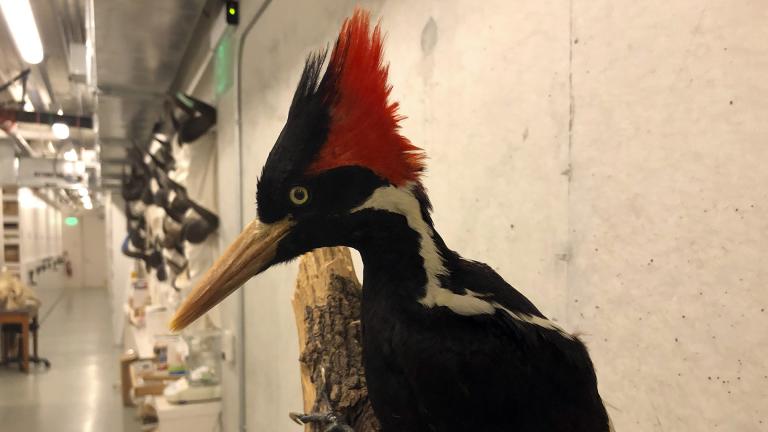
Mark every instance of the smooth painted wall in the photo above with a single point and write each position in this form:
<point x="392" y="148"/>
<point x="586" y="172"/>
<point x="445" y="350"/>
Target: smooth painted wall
<point x="86" y="246"/>
<point x="606" y="158"/>
<point x="119" y="266"/>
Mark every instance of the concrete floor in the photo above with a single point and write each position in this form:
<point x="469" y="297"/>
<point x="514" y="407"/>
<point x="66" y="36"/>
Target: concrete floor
<point x="81" y="390"/>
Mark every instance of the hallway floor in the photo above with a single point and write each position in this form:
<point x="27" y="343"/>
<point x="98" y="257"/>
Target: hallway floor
<point x="80" y="392"/>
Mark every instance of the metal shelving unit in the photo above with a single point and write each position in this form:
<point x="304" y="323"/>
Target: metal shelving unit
<point x="10" y="240"/>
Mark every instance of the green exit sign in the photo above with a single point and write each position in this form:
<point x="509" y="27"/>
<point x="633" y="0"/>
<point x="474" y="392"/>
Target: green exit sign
<point x="71" y="221"/>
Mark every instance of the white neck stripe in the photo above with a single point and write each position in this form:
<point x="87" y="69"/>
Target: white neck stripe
<point x="402" y="201"/>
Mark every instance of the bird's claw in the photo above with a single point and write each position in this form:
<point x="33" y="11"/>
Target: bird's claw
<point x="330" y="420"/>
<point x="301" y="418"/>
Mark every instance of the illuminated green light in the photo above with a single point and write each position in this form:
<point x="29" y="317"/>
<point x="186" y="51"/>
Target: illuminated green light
<point x="223" y="66"/>
<point x="71" y="221"/>
<point x="231" y="11"/>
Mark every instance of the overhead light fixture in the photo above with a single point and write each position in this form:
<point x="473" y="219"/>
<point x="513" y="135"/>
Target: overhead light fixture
<point x="89" y="156"/>
<point x="21" y="23"/>
<point x="88" y="205"/>
<point x="79" y="167"/>
<point x="70" y="155"/>
<point x="27" y="199"/>
<point x="60" y="130"/>
<point x="28" y="107"/>
<point x="83" y="192"/>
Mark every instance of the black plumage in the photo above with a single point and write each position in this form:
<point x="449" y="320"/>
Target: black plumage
<point x="435" y="370"/>
<point x="432" y="369"/>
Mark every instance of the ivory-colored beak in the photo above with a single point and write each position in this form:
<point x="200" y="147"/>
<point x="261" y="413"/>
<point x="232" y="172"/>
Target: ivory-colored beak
<point x="250" y="254"/>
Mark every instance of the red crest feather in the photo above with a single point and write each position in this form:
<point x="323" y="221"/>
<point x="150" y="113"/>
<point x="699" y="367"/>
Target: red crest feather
<point x="364" y="125"/>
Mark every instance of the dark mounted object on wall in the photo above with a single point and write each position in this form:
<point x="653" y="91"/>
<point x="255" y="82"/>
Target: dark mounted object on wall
<point x="232" y="12"/>
<point x="132" y="253"/>
<point x="137" y="232"/>
<point x="161" y="273"/>
<point x="176" y="261"/>
<point x="161" y="197"/>
<point x="179" y="203"/>
<point x="162" y="155"/>
<point x="146" y="197"/>
<point x="196" y="229"/>
<point x="200" y="118"/>
<point x="187" y="220"/>
<point x="133" y="186"/>
<point x="152" y="260"/>
<point x="136" y="179"/>
<point x="197" y="224"/>
<point x="138" y="238"/>
<point x="172" y="231"/>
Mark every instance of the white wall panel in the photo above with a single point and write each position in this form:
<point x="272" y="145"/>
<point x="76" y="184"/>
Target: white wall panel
<point x="119" y="266"/>
<point x="72" y="238"/>
<point x="669" y="210"/>
<point x="274" y="56"/>
<point x="94" y="250"/>
<point x="229" y="216"/>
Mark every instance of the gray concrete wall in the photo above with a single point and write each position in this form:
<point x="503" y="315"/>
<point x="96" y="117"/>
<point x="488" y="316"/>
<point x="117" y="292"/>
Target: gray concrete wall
<point x="604" y="157"/>
<point x="669" y="210"/>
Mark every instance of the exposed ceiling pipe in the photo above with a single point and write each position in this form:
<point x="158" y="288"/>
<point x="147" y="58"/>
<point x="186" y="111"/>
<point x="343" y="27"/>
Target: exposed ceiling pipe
<point x="43" y="132"/>
<point x="23" y="76"/>
<point x="46" y="118"/>
<point x="48" y="200"/>
<point x="42" y="71"/>
<point x="9" y="120"/>
<point x="22" y="146"/>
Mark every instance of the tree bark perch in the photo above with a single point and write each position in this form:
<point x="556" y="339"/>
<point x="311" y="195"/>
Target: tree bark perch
<point x="326" y="303"/>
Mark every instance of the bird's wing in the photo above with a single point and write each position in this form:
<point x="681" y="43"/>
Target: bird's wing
<point x="510" y="370"/>
<point x="482" y="281"/>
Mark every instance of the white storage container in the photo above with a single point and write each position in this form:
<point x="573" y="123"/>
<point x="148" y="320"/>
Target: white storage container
<point x="193" y="417"/>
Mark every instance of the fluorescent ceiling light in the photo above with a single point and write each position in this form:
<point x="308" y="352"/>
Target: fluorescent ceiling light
<point x="28" y="200"/>
<point x="70" y="155"/>
<point x="21" y="23"/>
<point x="79" y="167"/>
<point x="88" y="205"/>
<point x="60" y="130"/>
<point x="89" y="156"/>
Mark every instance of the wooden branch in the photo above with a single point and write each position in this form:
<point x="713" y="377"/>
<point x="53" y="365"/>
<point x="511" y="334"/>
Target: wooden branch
<point x="327" y="307"/>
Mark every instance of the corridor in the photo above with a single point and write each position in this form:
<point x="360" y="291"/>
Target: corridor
<point x="80" y="392"/>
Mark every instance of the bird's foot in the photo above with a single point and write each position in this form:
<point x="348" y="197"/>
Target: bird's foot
<point x="330" y="421"/>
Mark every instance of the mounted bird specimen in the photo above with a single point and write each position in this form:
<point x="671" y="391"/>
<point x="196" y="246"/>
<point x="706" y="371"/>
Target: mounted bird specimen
<point x="448" y="345"/>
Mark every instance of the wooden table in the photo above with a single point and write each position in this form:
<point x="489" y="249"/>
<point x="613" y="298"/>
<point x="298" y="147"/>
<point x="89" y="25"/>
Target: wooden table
<point x="21" y="317"/>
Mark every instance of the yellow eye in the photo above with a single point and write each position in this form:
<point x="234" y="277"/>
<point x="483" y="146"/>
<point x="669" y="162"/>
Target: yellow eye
<point x="299" y="195"/>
